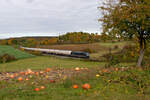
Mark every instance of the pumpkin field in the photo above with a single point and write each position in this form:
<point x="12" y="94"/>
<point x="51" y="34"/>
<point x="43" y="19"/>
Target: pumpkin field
<point x="76" y="83"/>
<point x="75" y="50"/>
<point x="57" y="78"/>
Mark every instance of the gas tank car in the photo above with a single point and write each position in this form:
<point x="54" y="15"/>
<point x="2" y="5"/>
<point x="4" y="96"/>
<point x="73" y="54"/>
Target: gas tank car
<point x="77" y="54"/>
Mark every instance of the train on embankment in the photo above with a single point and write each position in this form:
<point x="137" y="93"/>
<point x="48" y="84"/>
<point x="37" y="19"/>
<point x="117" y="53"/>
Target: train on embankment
<point x="69" y="53"/>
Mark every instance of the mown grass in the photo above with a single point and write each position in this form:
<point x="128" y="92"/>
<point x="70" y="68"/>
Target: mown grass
<point x="41" y="62"/>
<point x="15" y="52"/>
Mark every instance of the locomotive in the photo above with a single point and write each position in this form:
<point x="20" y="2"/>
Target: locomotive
<point x="59" y="52"/>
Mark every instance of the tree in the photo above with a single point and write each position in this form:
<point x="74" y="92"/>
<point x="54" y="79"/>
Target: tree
<point x="9" y="41"/>
<point x="128" y="18"/>
<point x="52" y="41"/>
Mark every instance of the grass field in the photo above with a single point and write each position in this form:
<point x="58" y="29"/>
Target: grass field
<point x="41" y="62"/>
<point x="120" y="82"/>
<point x="116" y="85"/>
<point x="12" y="51"/>
<point x="44" y="62"/>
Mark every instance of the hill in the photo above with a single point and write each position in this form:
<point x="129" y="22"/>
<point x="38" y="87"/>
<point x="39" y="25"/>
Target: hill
<point x="15" y="52"/>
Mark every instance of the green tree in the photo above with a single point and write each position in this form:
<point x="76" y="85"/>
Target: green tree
<point x="128" y="18"/>
<point x="104" y="37"/>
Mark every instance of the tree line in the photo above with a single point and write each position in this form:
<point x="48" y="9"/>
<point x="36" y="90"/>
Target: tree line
<point x="68" y="38"/>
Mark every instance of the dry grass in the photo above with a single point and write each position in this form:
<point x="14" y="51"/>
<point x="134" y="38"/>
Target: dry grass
<point x="76" y="47"/>
<point x="99" y="49"/>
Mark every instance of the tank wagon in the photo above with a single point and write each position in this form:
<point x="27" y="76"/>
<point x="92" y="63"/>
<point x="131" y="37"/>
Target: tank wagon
<point x="59" y="52"/>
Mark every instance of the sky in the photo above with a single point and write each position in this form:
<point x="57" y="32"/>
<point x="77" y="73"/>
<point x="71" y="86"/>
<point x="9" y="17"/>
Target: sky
<point x="47" y="17"/>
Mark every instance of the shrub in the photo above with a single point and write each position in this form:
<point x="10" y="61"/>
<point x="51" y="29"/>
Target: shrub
<point x="127" y="54"/>
<point x="112" y="62"/>
<point x="116" y="47"/>
<point x="89" y="50"/>
<point x="7" y="58"/>
<point x="38" y="53"/>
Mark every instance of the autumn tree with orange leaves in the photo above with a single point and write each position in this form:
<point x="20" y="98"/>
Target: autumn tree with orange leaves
<point x="128" y="18"/>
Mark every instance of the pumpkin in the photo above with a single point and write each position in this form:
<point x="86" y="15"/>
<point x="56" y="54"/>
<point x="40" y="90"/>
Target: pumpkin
<point x="52" y="81"/>
<point x="86" y="86"/>
<point x="116" y="69"/>
<point x="37" y="73"/>
<point x="20" y="79"/>
<point x="29" y="71"/>
<point x="77" y="69"/>
<point x="22" y="73"/>
<point x="97" y="75"/>
<point x="27" y="79"/>
<point x="12" y="76"/>
<point x="48" y="69"/>
<point x="105" y="70"/>
<point x="75" y="86"/>
<point x="42" y="87"/>
<point x="15" y="74"/>
<point x="41" y="72"/>
<point x="26" y="73"/>
<point x="37" y="89"/>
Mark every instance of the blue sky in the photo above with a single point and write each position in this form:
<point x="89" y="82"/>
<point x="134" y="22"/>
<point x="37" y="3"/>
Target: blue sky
<point x="47" y="17"/>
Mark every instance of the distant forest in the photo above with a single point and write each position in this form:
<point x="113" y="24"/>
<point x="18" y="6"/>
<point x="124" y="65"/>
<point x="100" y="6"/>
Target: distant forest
<point x="68" y="38"/>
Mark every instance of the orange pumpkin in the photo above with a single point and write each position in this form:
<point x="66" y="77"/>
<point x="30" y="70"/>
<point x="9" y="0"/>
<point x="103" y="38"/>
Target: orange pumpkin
<point x="77" y="69"/>
<point x="105" y="70"/>
<point x="42" y="87"/>
<point x="116" y="69"/>
<point x="26" y="73"/>
<point x="12" y="76"/>
<point x="37" y="89"/>
<point x="20" y="79"/>
<point x="22" y="73"/>
<point x="75" y="86"/>
<point x="29" y="71"/>
<point x="86" y="86"/>
<point x="15" y="74"/>
<point x="27" y="79"/>
<point x="41" y="72"/>
<point x="52" y="81"/>
<point x="37" y="73"/>
<point x="48" y="69"/>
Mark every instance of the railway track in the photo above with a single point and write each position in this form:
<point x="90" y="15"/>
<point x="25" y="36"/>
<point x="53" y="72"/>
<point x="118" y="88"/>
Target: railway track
<point x="62" y="56"/>
<point x="66" y="57"/>
<point x="66" y="53"/>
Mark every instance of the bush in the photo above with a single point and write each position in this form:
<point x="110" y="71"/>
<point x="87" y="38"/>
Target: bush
<point x="7" y="58"/>
<point x="38" y="53"/>
<point x="116" y="47"/>
<point x="89" y="50"/>
<point x="127" y="54"/>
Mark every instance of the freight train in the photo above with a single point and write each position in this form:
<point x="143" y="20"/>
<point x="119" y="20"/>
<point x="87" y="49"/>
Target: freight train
<point x="59" y="52"/>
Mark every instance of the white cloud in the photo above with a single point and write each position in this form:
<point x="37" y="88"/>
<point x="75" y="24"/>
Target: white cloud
<point x="47" y="16"/>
